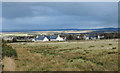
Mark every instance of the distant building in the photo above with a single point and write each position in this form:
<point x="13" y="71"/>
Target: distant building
<point x="56" y="38"/>
<point x="100" y="37"/>
<point x="90" y="37"/>
<point x="33" y="40"/>
<point x="41" y="38"/>
<point x="49" y="38"/>
<point x="78" y="37"/>
<point x="8" y="38"/>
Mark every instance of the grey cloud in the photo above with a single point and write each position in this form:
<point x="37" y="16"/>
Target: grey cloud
<point x="49" y="15"/>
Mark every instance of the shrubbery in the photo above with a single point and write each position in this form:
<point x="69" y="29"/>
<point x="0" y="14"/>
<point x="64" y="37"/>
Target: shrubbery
<point x="8" y="51"/>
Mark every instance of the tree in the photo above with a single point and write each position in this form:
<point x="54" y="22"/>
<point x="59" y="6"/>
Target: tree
<point x="14" y="39"/>
<point x="70" y="37"/>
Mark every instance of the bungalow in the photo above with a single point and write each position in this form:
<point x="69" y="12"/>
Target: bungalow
<point x="49" y="38"/>
<point x="56" y="38"/>
<point x="100" y="37"/>
<point x="41" y="38"/>
<point x="90" y="37"/>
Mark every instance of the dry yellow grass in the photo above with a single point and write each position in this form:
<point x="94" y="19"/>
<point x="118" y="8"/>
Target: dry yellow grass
<point x="9" y="64"/>
<point x="99" y="55"/>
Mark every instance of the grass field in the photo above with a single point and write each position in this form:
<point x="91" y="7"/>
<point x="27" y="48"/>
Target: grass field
<point x="100" y="55"/>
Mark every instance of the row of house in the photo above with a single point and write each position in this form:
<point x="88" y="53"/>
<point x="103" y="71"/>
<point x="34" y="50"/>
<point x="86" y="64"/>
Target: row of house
<point x="93" y="37"/>
<point x="59" y="38"/>
<point x="49" y="38"/>
<point x="35" y="38"/>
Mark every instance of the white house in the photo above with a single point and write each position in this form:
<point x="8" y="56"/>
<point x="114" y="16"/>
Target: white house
<point x="33" y="39"/>
<point x="100" y="37"/>
<point x="49" y="38"/>
<point x="41" y="38"/>
<point x="56" y="38"/>
<point x="90" y="37"/>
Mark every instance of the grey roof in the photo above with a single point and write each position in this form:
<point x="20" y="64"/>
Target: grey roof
<point x="40" y="38"/>
<point x="53" y="36"/>
<point x="47" y="36"/>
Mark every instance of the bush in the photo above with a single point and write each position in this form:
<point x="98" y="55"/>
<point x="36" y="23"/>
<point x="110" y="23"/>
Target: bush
<point x="102" y="46"/>
<point x="91" y="46"/>
<point x="8" y="51"/>
<point x="110" y="44"/>
<point x="114" y="48"/>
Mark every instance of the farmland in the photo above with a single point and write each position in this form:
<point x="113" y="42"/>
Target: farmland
<point x="91" y="55"/>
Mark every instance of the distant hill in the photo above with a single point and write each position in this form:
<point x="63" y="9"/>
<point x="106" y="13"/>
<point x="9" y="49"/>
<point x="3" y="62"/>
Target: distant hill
<point x="95" y="30"/>
<point x="107" y="30"/>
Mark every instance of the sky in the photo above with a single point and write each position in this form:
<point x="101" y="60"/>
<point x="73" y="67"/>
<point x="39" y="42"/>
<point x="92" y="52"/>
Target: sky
<point x="58" y="15"/>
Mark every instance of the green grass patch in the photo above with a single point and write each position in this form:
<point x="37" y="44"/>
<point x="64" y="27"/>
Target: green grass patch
<point x="8" y="51"/>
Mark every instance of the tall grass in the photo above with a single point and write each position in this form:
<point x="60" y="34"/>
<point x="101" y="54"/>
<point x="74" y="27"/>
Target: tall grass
<point x="65" y="56"/>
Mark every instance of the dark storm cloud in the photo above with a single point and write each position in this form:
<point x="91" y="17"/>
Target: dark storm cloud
<point x="57" y="15"/>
